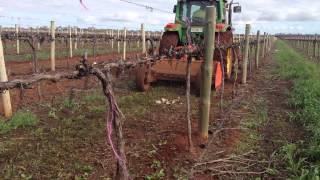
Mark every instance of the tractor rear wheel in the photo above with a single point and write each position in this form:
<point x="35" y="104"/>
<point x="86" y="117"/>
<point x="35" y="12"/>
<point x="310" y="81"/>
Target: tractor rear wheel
<point x="143" y="76"/>
<point x="169" y="40"/>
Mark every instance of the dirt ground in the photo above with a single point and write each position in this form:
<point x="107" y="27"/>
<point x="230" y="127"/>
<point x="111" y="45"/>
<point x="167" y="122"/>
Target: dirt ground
<point x="48" y="90"/>
<point x="251" y="130"/>
<point x="70" y="140"/>
<point x="15" y="68"/>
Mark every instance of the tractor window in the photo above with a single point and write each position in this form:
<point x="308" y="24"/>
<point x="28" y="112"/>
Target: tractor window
<point x="184" y="12"/>
<point x="195" y="11"/>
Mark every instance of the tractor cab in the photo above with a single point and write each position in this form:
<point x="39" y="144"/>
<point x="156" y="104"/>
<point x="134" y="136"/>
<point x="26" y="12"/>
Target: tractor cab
<point x="193" y="13"/>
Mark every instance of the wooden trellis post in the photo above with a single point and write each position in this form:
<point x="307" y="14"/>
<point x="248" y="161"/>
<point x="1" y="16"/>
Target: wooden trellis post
<point x="124" y="43"/>
<point x="269" y="43"/>
<point x="38" y="43"/>
<point x="107" y="34"/>
<point x="17" y="41"/>
<point x="246" y="55"/>
<point x="257" y="50"/>
<point x="81" y="40"/>
<point x="263" y="45"/>
<point x="112" y="40"/>
<point x="148" y="42"/>
<point x="138" y="40"/>
<point x="76" y="38"/>
<point x="250" y="60"/>
<point x="118" y="41"/>
<point x="6" y="100"/>
<point x="70" y="42"/>
<point x="143" y="34"/>
<point x="315" y="46"/>
<point x="308" y="45"/>
<point x="205" y="89"/>
<point x="318" y="48"/>
<point x="53" y="46"/>
<point x="266" y="44"/>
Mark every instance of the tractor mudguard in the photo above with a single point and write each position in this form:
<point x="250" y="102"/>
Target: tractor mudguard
<point x="177" y="28"/>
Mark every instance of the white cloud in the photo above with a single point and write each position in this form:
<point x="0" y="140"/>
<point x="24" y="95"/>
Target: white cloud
<point x="272" y="15"/>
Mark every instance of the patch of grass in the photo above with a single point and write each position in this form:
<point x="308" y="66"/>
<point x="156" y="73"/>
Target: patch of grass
<point x="95" y="96"/>
<point x="258" y="117"/>
<point x="138" y="104"/>
<point x="21" y="119"/>
<point x="70" y="104"/>
<point x="85" y="169"/>
<point x="97" y="109"/>
<point x="159" y="171"/>
<point x="303" y="159"/>
<point x="134" y="104"/>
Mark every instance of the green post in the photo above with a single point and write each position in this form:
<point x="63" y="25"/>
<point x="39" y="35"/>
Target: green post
<point x="258" y="50"/>
<point x="205" y="91"/>
<point x="246" y="55"/>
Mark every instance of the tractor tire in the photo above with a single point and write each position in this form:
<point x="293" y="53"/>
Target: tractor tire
<point x="142" y="79"/>
<point x="169" y="40"/>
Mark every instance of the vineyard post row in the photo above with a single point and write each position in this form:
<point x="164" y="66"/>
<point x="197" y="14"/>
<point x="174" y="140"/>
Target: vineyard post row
<point x="253" y="47"/>
<point x="309" y="44"/>
<point x="52" y="33"/>
<point x="251" y="42"/>
<point x="74" y="38"/>
<point x="75" y="34"/>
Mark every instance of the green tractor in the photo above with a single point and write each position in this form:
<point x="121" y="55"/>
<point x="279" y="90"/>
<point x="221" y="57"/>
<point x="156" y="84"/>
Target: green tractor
<point x="190" y="19"/>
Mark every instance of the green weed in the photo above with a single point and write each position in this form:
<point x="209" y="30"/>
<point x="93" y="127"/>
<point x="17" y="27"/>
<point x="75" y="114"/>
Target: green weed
<point x="97" y="109"/>
<point x="303" y="161"/>
<point x="159" y="171"/>
<point x="70" y="104"/>
<point x="94" y="97"/>
<point x="21" y="119"/>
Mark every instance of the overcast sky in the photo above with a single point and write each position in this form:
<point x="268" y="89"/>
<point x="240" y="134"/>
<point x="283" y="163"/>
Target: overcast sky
<point x="291" y="16"/>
